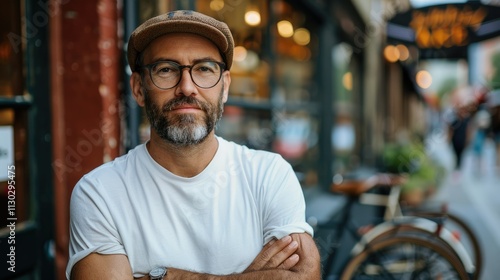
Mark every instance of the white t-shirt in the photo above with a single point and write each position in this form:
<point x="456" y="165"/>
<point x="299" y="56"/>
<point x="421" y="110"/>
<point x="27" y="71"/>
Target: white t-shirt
<point x="215" y="222"/>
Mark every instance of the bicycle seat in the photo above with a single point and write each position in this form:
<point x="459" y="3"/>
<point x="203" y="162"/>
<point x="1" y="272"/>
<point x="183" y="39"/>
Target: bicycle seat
<point x="356" y="187"/>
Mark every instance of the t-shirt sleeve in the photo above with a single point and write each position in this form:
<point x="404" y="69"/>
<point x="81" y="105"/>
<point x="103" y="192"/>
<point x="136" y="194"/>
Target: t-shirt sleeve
<point x="284" y="209"/>
<point x="92" y="228"/>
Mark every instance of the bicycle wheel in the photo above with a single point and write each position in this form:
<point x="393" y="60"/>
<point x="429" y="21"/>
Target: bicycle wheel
<point x="429" y="230"/>
<point x="405" y="257"/>
<point x="465" y="235"/>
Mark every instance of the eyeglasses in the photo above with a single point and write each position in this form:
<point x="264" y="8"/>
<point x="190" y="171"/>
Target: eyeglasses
<point x="167" y="74"/>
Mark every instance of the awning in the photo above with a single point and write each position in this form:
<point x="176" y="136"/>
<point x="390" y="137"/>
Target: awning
<point x="445" y="31"/>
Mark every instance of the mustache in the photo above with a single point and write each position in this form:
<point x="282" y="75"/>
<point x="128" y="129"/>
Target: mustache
<point x="184" y="100"/>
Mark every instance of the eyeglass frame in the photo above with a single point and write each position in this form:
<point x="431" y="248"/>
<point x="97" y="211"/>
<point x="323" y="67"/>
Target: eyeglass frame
<point x="149" y="66"/>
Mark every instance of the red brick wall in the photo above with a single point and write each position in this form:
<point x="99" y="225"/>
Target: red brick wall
<point x="85" y="77"/>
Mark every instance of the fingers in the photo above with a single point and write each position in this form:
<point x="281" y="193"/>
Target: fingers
<point x="276" y="254"/>
<point x="290" y="262"/>
<point x="272" y="249"/>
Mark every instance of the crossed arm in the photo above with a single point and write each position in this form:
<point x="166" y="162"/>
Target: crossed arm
<point x="291" y="258"/>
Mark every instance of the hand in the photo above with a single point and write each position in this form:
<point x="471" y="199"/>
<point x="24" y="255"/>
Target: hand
<point x="276" y="254"/>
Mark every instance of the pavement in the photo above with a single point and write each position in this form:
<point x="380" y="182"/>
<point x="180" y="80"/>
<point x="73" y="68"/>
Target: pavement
<point x="473" y="193"/>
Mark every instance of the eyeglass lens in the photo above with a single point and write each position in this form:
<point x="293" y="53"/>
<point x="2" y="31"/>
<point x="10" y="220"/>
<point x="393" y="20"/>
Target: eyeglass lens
<point x="167" y="74"/>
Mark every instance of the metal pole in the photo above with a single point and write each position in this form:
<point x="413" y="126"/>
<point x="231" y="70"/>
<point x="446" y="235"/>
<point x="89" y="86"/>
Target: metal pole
<point x="133" y="114"/>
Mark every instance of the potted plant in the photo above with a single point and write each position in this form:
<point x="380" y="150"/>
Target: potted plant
<point x="423" y="173"/>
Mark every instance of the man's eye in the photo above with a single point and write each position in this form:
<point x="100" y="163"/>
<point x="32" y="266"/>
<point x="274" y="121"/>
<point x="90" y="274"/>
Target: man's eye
<point x="164" y="70"/>
<point x="205" y="68"/>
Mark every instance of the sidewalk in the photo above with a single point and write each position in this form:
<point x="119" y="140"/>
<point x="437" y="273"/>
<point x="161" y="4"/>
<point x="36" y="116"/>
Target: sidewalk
<point x="473" y="194"/>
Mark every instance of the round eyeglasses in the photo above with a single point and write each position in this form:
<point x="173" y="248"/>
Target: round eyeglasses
<point x="167" y="74"/>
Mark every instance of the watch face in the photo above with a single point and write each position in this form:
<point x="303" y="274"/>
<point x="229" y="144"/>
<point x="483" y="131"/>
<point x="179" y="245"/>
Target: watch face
<point x="157" y="272"/>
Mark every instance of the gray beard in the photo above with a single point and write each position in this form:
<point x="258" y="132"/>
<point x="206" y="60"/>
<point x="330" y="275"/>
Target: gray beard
<point x="186" y="132"/>
<point x="185" y="129"/>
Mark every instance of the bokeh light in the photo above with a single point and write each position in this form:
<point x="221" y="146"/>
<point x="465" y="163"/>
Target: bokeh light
<point x="302" y="36"/>
<point x="423" y="79"/>
<point x="347" y="81"/>
<point x="216" y="5"/>
<point x="252" y="18"/>
<point x="240" y="53"/>
<point x="285" y="28"/>
<point x="404" y="53"/>
<point x="391" y="53"/>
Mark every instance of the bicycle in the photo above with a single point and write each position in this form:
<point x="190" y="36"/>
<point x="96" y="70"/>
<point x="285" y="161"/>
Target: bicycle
<point x="459" y="228"/>
<point x="404" y="246"/>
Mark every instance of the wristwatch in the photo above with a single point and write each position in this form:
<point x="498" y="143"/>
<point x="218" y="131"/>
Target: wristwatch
<point x="157" y="273"/>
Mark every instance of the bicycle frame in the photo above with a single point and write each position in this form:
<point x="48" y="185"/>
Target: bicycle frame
<point x="394" y="223"/>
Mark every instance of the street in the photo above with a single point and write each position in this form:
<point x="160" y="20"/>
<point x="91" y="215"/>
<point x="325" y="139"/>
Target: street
<point x="473" y="194"/>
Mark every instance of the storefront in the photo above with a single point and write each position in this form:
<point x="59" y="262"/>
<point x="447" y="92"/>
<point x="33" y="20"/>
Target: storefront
<point x="65" y="107"/>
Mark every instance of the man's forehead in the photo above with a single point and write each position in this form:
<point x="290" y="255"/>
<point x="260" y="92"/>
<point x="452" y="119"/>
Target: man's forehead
<point x="182" y="43"/>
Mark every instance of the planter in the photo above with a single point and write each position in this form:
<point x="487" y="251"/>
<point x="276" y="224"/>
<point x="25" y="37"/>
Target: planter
<point x="413" y="198"/>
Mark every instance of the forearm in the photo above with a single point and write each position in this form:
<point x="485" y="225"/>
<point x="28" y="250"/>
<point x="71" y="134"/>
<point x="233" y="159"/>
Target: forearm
<point x="275" y="274"/>
<point x="306" y="267"/>
<point x="282" y="259"/>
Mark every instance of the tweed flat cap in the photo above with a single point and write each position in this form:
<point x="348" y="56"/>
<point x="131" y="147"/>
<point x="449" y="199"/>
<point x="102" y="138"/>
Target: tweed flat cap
<point x="182" y="21"/>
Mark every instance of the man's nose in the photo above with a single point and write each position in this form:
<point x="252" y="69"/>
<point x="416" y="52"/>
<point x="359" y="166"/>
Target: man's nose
<point x="186" y="85"/>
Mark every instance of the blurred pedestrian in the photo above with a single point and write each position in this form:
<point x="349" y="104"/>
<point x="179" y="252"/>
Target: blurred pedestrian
<point x="494" y="105"/>
<point x="482" y="123"/>
<point x="458" y="121"/>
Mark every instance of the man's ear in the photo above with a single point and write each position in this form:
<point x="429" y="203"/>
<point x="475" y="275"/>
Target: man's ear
<point x="137" y="89"/>
<point x="226" y="77"/>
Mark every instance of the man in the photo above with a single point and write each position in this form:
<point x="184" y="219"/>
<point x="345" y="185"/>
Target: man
<point x="188" y="204"/>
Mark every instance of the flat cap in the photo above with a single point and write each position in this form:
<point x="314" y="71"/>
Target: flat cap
<point x="182" y="21"/>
